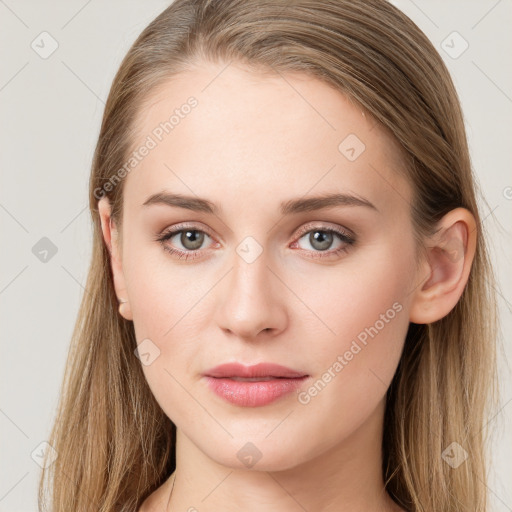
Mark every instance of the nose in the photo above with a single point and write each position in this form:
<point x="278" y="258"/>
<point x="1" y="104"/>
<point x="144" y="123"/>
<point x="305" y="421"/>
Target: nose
<point x="252" y="301"/>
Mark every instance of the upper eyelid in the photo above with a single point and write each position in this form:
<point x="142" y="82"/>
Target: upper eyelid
<point x="182" y="227"/>
<point x="324" y="226"/>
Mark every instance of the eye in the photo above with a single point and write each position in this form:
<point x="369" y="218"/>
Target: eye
<point x="190" y="239"/>
<point x="322" y="238"/>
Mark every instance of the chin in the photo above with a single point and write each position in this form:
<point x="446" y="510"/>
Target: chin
<point x="257" y="454"/>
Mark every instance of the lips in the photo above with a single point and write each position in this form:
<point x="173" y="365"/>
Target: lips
<point x="253" y="386"/>
<point x="258" y="372"/>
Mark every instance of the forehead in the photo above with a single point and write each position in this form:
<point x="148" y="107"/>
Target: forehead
<point x="222" y="131"/>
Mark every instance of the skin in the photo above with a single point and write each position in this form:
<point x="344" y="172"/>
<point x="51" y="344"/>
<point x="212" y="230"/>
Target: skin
<point x="252" y="142"/>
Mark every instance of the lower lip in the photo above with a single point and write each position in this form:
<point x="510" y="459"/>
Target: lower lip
<point x="253" y="393"/>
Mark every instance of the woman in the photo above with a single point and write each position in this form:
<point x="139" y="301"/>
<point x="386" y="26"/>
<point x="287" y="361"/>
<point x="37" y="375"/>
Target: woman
<point x="290" y="304"/>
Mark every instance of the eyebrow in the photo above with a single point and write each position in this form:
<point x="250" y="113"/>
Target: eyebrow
<point x="292" y="206"/>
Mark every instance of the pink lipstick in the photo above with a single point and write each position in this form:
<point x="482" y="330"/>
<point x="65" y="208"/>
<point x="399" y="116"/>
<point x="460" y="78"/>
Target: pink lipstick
<point x="253" y="386"/>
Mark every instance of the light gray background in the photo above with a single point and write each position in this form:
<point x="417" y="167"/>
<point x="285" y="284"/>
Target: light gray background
<point x="51" y="111"/>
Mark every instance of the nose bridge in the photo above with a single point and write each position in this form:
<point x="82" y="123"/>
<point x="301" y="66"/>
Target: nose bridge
<point x="250" y="275"/>
<point x="250" y="301"/>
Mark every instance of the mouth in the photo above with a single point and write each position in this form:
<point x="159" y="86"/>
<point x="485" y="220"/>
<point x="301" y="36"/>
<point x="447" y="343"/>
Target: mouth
<point x="253" y="386"/>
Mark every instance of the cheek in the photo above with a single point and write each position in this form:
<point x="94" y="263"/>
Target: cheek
<point x="356" y="299"/>
<point x="166" y="301"/>
<point x="162" y="293"/>
<point x="352" y="380"/>
<point x="367" y="311"/>
<point x="163" y="312"/>
<point x="352" y="369"/>
<point x="357" y="356"/>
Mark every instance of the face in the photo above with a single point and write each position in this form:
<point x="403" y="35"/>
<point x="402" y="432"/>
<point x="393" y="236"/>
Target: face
<point x="262" y="273"/>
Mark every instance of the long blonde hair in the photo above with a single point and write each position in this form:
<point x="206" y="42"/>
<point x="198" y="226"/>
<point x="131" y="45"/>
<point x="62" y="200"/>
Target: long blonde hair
<point x="114" y="443"/>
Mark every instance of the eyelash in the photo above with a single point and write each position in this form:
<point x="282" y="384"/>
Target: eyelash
<point x="344" y="236"/>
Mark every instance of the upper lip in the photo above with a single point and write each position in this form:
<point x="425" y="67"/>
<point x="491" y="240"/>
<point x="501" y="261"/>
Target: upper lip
<point x="258" y="370"/>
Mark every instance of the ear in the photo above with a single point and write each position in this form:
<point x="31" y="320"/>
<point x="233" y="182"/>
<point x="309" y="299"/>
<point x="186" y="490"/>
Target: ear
<point x="445" y="272"/>
<point x="111" y="237"/>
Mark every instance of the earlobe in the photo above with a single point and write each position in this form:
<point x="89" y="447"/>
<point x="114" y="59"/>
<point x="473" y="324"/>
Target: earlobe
<point x="110" y="236"/>
<point x="450" y="252"/>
